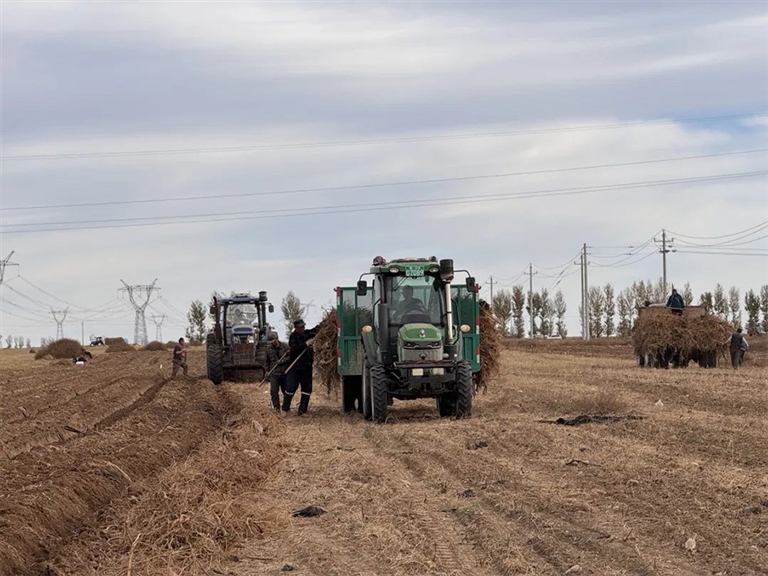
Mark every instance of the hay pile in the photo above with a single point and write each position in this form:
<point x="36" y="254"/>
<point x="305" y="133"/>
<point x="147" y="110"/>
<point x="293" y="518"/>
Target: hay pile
<point x="59" y="349"/>
<point x="490" y="348"/>
<point x="111" y="341"/>
<point x="686" y="334"/>
<point x="154" y="346"/>
<point x="326" y="351"/>
<point x="122" y="346"/>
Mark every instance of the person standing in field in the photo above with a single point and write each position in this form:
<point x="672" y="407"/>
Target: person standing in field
<point x="302" y="358"/>
<point x="278" y="357"/>
<point x="179" y="358"/>
<point x="737" y="345"/>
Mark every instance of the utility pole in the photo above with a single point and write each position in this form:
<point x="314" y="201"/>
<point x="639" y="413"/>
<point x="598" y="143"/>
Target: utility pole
<point x="491" y="292"/>
<point x="585" y="293"/>
<point x="59" y="323"/>
<point x="82" y="332"/>
<point x="4" y="263"/>
<point x="667" y="246"/>
<point x="530" y="295"/>
<point x="139" y="296"/>
<point x="158" y="326"/>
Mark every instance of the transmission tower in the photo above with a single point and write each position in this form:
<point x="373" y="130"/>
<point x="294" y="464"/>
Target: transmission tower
<point x="158" y="326"/>
<point x="139" y="296"/>
<point x="59" y="322"/>
<point x="3" y="264"/>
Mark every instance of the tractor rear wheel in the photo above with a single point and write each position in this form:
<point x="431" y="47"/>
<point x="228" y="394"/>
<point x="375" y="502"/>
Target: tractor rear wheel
<point x="366" y="386"/>
<point x="214" y="363"/>
<point x="379" y="394"/>
<point x="464" y="390"/>
<point x="350" y="392"/>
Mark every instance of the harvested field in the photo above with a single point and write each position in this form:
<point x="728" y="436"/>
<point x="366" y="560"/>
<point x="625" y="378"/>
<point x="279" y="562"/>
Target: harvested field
<point x="192" y="479"/>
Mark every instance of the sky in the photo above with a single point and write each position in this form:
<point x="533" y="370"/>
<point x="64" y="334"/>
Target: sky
<point x="247" y="146"/>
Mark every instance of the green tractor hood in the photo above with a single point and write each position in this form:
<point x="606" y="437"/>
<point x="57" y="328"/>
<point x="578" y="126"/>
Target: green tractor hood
<point x="419" y="334"/>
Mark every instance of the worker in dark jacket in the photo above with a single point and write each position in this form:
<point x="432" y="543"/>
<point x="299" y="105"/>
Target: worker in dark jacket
<point x="676" y="302"/>
<point x="300" y="375"/>
<point x="737" y="345"/>
<point x="277" y="361"/>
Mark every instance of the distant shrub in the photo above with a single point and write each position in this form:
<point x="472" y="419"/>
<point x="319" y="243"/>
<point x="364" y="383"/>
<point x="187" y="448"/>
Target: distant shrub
<point x="155" y="347"/>
<point x="64" y="348"/>
<point x="120" y="347"/>
<point x="195" y="342"/>
<point x="32" y="351"/>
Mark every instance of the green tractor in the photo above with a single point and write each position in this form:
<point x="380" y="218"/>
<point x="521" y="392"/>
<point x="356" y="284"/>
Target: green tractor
<point x="238" y="340"/>
<point x="411" y="334"/>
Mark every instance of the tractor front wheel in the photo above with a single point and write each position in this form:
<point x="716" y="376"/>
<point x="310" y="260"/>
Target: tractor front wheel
<point x="464" y="390"/>
<point x="366" y="386"/>
<point x="214" y="363"/>
<point x="379" y="394"/>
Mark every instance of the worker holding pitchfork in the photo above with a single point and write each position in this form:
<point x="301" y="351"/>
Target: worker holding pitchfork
<point x="278" y="357"/>
<point x="300" y="371"/>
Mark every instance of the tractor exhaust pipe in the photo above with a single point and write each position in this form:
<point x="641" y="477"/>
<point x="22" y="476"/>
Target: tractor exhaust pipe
<point x="446" y="275"/>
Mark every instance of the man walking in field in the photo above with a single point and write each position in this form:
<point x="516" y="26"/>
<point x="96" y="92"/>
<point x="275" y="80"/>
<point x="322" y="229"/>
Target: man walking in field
<point x="179" y="358"/>
<point x="738" y="345"/>
<point x="278" y="357"/>
<point x="301" y="357"/>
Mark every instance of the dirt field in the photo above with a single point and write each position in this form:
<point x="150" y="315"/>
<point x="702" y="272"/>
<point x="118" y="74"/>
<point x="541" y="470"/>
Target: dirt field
<point x="111" y="469"/>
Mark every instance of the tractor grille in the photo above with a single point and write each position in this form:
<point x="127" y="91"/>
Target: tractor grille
<point x="414" y="355"/>
<point x="243" y="354"/>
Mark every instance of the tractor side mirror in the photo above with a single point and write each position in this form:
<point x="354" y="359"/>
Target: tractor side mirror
<point x="362" y="288"/>
<point x="471" y="286"/>
<point x="212" y="310"/>
<point x="271" y="308"/>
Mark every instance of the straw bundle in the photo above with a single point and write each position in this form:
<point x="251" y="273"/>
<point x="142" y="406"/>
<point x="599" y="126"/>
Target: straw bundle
<point x="490" y="348"/>
<point x="326" y="351"/>
<point x="685" y="334"/>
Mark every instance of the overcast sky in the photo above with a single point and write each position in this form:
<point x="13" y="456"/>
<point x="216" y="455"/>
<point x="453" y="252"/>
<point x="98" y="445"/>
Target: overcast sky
<point x="436" y="90"/>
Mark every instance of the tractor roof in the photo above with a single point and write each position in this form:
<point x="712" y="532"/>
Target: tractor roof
<point x="398" y="265"/>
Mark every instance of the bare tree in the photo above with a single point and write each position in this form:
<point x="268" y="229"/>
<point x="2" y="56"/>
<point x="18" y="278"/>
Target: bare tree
<point x="292" y="310"/>
<point x="9" y="341"/>
<point x="518" y="309"/>
<point x="764" y="306"/>
<point x="720" y="303"/>
<point x="29" y="343"/>
<point x="687" y="294"/>
<point x="734" y="303"/>
<point x="196" y="317"/>
<point x="546" y="313"/>
<point x="708" y="301"/>
<point x="610" y="310"/>
<point x="502" y="309"/>
<point x="560" y="309"/>
<point x="596" y="310"/>
<point x="624" y="306"/>
<point x="752" y="306"/>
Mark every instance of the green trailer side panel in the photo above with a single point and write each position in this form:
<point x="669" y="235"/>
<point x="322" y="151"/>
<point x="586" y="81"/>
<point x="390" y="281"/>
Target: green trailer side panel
<point x="466" y="310"/>
<point x="353" y="312"/>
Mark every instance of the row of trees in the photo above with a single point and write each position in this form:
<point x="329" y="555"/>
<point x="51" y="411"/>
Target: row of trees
<point x="548" y="312"/>
<point x="16" y="342"/>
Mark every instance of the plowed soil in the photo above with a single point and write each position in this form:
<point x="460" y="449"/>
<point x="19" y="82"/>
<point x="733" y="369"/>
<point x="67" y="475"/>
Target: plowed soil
<point x="680" y="488"/>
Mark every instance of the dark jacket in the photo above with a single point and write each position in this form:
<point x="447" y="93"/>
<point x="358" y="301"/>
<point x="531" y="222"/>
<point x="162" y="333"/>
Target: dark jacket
<point x="277" y="357"/>
<point x="298" y="343"/>
<point x="736" y="340"/>
<point x="676" y="301"/>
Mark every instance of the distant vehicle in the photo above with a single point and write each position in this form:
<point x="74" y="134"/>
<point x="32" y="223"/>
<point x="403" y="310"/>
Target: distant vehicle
<point x="97" y="341"/>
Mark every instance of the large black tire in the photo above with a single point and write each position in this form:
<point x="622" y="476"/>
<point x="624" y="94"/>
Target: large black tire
<point x="366" y="391"/>
<point x="379" y="394"/>
<point x="214" y="363"/>
<point x="464" y="390"/>
<point x="350" y="392"/>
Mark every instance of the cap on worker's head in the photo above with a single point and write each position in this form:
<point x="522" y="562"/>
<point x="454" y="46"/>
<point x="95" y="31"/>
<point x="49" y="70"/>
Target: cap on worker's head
<point x="299" y="323"/>
<point x="181" y="340"/>
<point x="272" y="336"/>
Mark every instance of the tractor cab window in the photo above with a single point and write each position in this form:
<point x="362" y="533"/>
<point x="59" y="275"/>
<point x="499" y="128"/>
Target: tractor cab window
<point x="413" y="300"/>
<point x="242" y="314"/>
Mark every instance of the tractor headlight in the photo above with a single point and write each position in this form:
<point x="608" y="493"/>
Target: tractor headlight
<point x="367" y="329"/>
<point x="394" y="270"/>
<point x="465" y="328"/>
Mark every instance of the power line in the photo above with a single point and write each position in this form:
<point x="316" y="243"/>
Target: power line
<point x="405" y="139"/>
<point x="371" y="207"/>
<point x="380" y="185"/>
<point x="764" y="255"/>
<point x="723" y="236"/>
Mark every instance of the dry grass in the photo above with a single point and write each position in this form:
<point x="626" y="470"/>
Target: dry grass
<point x="154" y="346"/>
<point x="120" y="347"/>
<point x="60" y="349"/>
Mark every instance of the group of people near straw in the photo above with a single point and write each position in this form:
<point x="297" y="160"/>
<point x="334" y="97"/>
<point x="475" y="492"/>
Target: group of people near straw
<point x="737" y="343"/>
